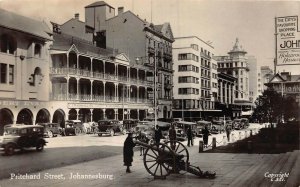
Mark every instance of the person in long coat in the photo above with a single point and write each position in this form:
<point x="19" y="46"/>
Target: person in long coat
<point x="157" y="135"/>
<point x="205" y="133"/>
<point x="172" y="137"/>
<point x="190" y="136"/>
<point x="128" y="152"/>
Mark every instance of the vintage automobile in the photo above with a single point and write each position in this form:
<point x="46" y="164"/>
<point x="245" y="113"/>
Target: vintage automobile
<point x="200" y="125"/>
<point x="20" y="136"/>
<point x="110" y="127"/>
<point x="218" y="126"/>
<point x="181" y="128"/>
<point x="245" y="121"/>
<point x="130" y="124"/>
<point x="51" y="129"/>
<point x="146" y="130"/>
<point x="73" y="127"/>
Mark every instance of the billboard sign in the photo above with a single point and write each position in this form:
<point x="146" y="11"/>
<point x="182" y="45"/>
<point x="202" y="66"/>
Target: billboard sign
<point x="287" y="40"/>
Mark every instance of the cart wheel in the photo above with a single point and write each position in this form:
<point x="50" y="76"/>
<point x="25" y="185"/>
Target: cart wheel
<point x="179" y="149"/>
<point x="159" y="161"/>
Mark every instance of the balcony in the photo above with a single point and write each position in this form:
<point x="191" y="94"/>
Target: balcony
<point x="151" y="50"/>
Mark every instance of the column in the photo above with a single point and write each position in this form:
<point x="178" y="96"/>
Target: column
<point x="221" y="91"/>
<point x="225" y="94"/>
<point x="138" y="114"/>
<point x="91" y="110"/>
<point x="92" y="89"/>
<point x="77" y="79"/>
<point x="116" y="92"/>
<point x="104" y="95"/>
<point x="128" y="113"/>
<point x="68" y="61"/>
<point x="92" y="74"/>
<point x="128" y="91"/>
<point x="104" y="114"/>
<point x="128" y="73"/>
<point x="77" y="62"/>
<point x="230" y="93"/>
<point x="67" y="94"/>
<point x="116" y="70"/>
<point x="116" y="114"/>
<point x="137" y="93"/>
<point x="77" y="110"/>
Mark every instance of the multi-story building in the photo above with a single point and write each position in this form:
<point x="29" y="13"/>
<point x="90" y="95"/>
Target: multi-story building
<point x="253" y="81"/>
<point x="225" y="100"/>
<point x="147" y="46"/>
<point x="91" y="83"/>
<point x="266" y="75"/>
<point x="195" y="78"/>
<point x="236" y="65"/>
<point x="24" y="69"/>
<point x="259" y="83"/>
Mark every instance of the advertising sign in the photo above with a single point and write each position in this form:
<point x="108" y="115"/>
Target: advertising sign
<point x="287" y="40"/>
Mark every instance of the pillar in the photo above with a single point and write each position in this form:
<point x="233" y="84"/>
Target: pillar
<point x="221" y="91"/>
<point x="91" y="110"/>
<point x="138" y="114"/>
<point x="77" y="63"/>
<point x="116" y="92"/>
<point x="104" y="114"/>
<point x="104" y="94"/>
<point x="92" y="74"/>
<point x="77" y="110"/>
<point x="77" y="79"/>
<point x="128" y="113"/>
<point x="67" y="94"/>
<point x="92" y="89"/>
<point x="116" y="113"/>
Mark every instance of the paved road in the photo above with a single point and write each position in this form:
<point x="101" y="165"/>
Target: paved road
<point x="62" y="151"/>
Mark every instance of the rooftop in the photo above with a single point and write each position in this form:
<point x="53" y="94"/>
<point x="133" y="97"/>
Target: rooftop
<point x="24" y="24"/>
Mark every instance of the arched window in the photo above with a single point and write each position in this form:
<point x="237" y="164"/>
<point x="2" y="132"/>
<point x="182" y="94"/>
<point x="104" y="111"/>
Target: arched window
<point x="7" y="44"/>
<point x="37" y="50"/>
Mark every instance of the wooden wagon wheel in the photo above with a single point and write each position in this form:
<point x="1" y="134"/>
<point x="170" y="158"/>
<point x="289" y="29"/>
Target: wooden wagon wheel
<point x="179" y="149"/>
<point x="159" y="161"/>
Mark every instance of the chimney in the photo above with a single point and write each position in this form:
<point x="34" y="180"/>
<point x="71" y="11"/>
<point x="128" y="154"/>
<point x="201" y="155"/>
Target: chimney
<point x="120" y="10"/>
<point x="77" y="16"/>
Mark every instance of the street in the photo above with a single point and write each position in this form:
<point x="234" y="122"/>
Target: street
<point x="62" y="151"/>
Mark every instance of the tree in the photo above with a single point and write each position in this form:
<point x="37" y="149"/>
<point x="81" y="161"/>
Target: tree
<point x="273" y="107"/>
<point x="269" y="107"/>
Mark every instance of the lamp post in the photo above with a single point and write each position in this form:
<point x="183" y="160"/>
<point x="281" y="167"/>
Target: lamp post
<point x="155" y="88"/>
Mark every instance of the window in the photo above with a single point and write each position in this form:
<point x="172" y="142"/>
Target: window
<point x="242" y="80"/>
<point x="195" y="46"/>
<point x="37" y="50"/>
<point x="11" y="74"/>
<point x="241" y="72"/>
<point x="182" y="56"/>
<point x="3" y="73"/>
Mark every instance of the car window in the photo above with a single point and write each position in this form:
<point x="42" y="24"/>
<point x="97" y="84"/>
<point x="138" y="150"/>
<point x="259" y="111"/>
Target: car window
<point x="23" y="131"/>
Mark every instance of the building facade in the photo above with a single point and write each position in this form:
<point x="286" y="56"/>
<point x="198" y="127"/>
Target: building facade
<point x="253" y="81"/>
<point x="91" y="83"/>
<point x="266" y="75"/>
<point x="146" y="45"/>
<point x="24" y="69"/>
<point x="195" y="79"/>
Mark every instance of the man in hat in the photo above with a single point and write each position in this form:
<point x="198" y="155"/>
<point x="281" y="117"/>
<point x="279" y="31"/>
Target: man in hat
<point x="128" y="152"/>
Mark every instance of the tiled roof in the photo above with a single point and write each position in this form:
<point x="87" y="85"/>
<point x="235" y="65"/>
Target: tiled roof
<point x="98" y="3"/>
<point x="24" y="24"/>
<point x="64" y="42"/>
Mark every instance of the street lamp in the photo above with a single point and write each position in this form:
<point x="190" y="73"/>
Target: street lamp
<point x="155" y="88"/>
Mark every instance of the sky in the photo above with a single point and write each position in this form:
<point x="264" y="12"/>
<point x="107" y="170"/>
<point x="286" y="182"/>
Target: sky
<point x="216" y="21"/>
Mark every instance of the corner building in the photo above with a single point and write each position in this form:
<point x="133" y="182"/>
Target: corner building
<point x="24" y="70"/>
<point x="196" y="78"/>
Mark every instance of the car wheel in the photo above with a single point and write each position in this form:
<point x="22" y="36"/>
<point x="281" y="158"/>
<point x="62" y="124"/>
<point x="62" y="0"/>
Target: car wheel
<point x="124" y="131"/>
<point x="9" y="149"/>
<point x="76" y="132"/>
<point x="50" y="134"/>
<point x="112" y="132"/>
<point x="40" y="146"/>
<point x="99" y="134"/>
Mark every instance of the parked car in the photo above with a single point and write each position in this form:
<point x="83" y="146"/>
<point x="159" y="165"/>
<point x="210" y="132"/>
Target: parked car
<point x="130" y="124"/>
<point x="181" y="128"/>
<point x="238" y="124"/>
<point x="245" y="121"/>
<point x="218" y="126"/>
<point x="200" y="125"/>
<point x="51" y="129"/>
<point x="73" y="127"/>
<point x="146" y="130"/>
<point x="19" y="136"/>
<point x="110" y="127"/>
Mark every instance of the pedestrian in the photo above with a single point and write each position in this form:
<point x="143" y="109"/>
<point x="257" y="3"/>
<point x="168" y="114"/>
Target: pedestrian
<point x="190" y="136"/>
<point x="172" y="137"/>
<point x="228" y="130"/>
<point x="128" y="152"/>
<point x="205" y="133"/>
<point x="157" y="135"/>
<point x="143" y="139"/>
